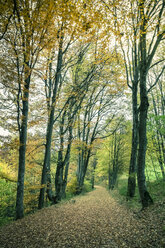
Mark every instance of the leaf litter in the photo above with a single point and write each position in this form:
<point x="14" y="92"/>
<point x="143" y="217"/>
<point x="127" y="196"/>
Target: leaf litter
<point x="95" y="220"/>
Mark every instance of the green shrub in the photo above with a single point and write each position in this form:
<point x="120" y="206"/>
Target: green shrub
<point x="87" y="187"/>
<point x="72" y="186"/>
<point x="7" y="199"/>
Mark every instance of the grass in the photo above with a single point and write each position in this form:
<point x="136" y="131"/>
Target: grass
<point x="156" y="189"/>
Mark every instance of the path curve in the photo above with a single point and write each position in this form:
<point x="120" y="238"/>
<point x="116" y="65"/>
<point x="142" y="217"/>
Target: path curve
<point x="95" y="220"/>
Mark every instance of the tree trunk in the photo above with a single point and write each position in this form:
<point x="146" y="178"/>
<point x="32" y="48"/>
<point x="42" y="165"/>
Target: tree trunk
<point x="83" y="170"/>
<point x="159" y="137"/>
<point x="59" y="177"/>
<point x="65" y="180"/>
<point x="133" y="160"/>
<point x="113" y="175"/>
<point x="109" y="177"/>
<point x="160" y="157"/>
<point x="93" y="173"/>
<point x="47" y="157"/>
<point x="63" y="161"/>
<point x="146" y="199"/>
<point x="67" y="161"/>
<point x="156" y="174"/>
<point x="22" y="151"/>
<point x="109" y="171"/>
<point x="46" y="165"/>
<point x="80" y="177"/>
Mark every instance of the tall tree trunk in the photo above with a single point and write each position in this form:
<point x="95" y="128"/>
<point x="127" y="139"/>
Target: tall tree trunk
<point x="146" y="199"/>
<point x="65" y="180"/>
<point x="93" y="173"/>
<point x="80" y="176"/>
<point x="59" y="177"/>
<point x="22" y="151"/>
<point x="46" y="165"/>
<point x="133" y="160"/>
<point x="67" y="161"/>
<point x="115" y="162"/>
<point x="47" y="157"/>
<point x="156" y="174"/>
<point x="83" y="170"/>
<point x="63" y="160"/>
<point x="160" y="157"/>
<point x="109" y="170"/>
<point x="159" y="137"/>
<point x="144" y="194"/>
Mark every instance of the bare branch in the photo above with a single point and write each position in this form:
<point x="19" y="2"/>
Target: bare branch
<point x="156" y="79"/>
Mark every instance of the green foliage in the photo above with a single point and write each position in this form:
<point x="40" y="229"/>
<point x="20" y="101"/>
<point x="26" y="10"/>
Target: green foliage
<point x="153" y="170"/>
<point x="97" y="65"/>
<point x="31" y="196"/>
<point x="7" y="199"/>
<point x="120" y="193"/>
<point x="7" y="192"/>
<point x="8" y="181"/>
<point x="155" y="187"/>
<point x="7" y="172"/>
<point x="72" y="186"/>
<point x="8" y="196"/>
<point x="87" y="187"/>
<point x="107" y="156"/>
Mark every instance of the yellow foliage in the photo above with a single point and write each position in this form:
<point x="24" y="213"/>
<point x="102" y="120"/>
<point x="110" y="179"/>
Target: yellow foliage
<point x="7" y="173"/>
<point x="72" y="186"/>
<point x="35" y="187"/>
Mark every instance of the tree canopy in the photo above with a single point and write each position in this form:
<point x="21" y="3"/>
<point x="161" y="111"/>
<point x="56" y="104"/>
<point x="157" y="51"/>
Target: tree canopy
<point x="82" y="97"/>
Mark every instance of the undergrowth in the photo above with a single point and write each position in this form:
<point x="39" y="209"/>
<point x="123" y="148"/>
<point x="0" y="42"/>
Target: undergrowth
<point x="155" y="188"/>
<point x="8" y="198"/>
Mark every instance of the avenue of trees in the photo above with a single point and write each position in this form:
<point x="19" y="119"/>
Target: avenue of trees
<point x="81" y="98"/>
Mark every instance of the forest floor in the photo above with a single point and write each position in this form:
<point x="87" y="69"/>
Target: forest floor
<point x="93" y="220"/>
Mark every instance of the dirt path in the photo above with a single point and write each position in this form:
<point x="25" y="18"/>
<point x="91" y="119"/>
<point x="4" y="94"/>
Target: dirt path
<point x="93" y="220"/>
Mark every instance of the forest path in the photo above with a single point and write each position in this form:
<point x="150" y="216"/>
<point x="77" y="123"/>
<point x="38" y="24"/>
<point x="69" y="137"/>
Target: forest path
<point x="93" y="220"/>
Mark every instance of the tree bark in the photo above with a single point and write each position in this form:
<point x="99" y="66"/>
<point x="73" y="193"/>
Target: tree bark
<point x="46" y="165"/>
<point x="59" y="177"/>
<point x="146" y="199"/>
<point x="93" y="172"/>
<point x="47" y="157"/>
<point x="22" y="152"/>
<point x="63" y="160"/>
<point x="159" y="138"/>
<point x="133" y="160"/>
<point x="144" y="194"/>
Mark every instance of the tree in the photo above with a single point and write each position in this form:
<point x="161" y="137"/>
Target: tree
<point x="74" y="23"/>
<point x="79" y="89"/>
<point x="126" y="31"/>
<point x="82" y="76"/>
<point x="7" y="10"/>
<point x="92" y="124"/>
<point x="46" y="165"/>
<point x="146" y="57"/>
<point x="156" y="119"/>
<point x="141" y="19"/>
<point x="114" y="159"/>
<point x="53" y="85"/>
<point x="114" y="152"/>
<point x="26" y="36"/>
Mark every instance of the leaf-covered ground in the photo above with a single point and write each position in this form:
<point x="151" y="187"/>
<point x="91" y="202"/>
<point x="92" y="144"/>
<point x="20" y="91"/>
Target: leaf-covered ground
<point x="93" y="220"/>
